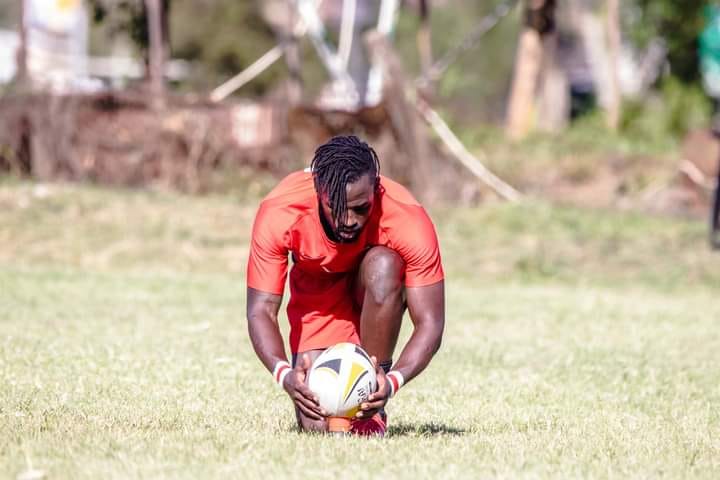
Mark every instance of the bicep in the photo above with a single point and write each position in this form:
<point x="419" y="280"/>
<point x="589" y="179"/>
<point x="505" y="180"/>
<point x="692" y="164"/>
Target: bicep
<point x="268" y="258"/>
<point x="418" y="245"/>
<point x="262" y="305"/>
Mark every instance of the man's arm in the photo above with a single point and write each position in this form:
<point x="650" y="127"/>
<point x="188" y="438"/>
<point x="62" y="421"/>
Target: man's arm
<point x="262" y="316"/>
<point x="418" y="245"/>
<point x="264" y="331"/>
<point x="427" y="312"/>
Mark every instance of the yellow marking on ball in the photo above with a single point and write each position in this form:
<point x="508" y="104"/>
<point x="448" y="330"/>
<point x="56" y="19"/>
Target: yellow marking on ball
<point x="355" y="371"/>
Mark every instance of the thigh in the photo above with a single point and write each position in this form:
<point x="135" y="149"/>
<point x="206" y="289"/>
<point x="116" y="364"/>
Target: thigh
<point x="357" y="284"/>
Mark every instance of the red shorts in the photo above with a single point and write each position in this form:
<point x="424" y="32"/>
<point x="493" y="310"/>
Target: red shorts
<point x="322" y="310"/>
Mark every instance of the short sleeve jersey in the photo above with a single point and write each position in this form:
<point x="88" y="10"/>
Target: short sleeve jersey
<point x="287" y="226"/>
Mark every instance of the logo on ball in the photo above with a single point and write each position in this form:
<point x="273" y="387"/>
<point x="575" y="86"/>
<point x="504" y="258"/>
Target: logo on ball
<point x="342" y="377"/>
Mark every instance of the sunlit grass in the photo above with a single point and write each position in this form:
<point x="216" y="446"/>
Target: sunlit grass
<point x="579" y="344"/>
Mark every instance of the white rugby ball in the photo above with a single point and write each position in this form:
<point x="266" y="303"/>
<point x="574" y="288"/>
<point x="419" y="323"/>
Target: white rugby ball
<point x="342" y="377"/>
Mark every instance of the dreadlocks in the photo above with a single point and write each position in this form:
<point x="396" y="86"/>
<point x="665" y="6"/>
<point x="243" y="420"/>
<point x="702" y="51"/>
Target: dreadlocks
<point x="342" y="160"/>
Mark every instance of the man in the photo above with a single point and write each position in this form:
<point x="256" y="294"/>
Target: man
<point x="362" y="249"/>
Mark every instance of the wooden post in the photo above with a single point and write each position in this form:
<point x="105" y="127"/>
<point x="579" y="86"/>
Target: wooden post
<point x="413" y="143"/>
<point x="522" y="94"/>
<point x="424" y="39"/>
<point x="539" y="21"/>
<point x="156" y="49"/>
<point x="283" y="18"/>
<point x="613" y="35"/>
<point x="291" y="48"/>
<point x="21" y="74"/>
<point x="554" y="95"/>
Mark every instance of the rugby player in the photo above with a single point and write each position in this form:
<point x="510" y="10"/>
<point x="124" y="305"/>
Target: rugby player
<point x="363" y="250"/>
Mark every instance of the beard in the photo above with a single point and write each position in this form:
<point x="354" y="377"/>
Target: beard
<point x="347" y="236"/>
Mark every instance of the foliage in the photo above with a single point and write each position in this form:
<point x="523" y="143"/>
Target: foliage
<point x="475" y="86"/>
<point x="124" y="17"/>
<point x="224" y="38"/>
<point x="677" y="109"/>
<point x="678" y="23"/>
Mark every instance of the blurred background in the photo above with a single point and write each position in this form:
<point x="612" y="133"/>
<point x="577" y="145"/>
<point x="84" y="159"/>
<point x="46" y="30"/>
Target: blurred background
<point x="599" y="103"/>
<point x="565" y="150"/>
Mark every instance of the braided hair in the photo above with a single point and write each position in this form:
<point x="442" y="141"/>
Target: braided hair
<point x="342" y="160"/>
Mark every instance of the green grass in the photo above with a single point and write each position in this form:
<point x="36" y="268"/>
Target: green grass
<point x="579" y="344"/>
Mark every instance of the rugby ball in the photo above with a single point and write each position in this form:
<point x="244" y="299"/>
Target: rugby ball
<point x="342" y="377"/>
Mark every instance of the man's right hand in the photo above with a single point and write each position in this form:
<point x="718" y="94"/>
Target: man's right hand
<point x="305" y="400"/>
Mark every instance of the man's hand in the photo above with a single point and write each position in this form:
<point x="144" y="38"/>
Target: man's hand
<point x="376" y="400"/>
<point x="304" y="398"/>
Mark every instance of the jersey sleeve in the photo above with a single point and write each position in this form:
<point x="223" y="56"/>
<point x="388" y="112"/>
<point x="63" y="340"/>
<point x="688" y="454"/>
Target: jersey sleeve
<point x="268" y="258"/>
<point x="418" y="245"/>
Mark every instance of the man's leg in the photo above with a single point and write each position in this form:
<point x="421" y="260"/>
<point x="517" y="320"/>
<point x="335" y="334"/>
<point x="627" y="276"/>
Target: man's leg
<point x="380" y="293"/>
<point x="305" y="423"/>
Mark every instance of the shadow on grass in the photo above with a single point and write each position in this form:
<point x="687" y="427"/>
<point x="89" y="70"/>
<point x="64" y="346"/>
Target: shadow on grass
<point x="403" y="429"/>
<point x="424" y="430"/>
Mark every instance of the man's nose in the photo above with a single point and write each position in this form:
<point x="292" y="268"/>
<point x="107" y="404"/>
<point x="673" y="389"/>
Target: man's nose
<point x="351" y="221"/>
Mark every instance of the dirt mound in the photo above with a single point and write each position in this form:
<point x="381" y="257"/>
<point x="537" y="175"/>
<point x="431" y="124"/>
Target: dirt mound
<point x="115" y="139"/>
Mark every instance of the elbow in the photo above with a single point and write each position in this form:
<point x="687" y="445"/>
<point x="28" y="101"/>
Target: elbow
<point x="436" y="341"/>
<point x="437" y="344"/>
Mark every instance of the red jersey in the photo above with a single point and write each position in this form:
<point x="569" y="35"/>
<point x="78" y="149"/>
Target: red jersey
<point x="321" y="310"/>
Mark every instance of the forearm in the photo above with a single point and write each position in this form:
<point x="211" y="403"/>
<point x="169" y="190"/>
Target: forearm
<point x="262" y="312"/>
<point x="421" y="347"/>
<point x="267" y="341"/>
<point x="426" y="306"/>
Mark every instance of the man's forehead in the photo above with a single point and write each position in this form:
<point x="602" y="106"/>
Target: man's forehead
<point x="360" y="190"/>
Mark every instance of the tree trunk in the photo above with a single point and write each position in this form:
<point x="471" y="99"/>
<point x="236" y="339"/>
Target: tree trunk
<point x="613" y="36"/>
<point x="21" y="73"/>
<point x="406" y="124"/>
<point x="603" y="69"/>
<point x="539" y="22"/>
<point x="424" y="39"/>
<point x="157" y="51"/>
<point x="527" y="67"/>
<point x="554" y="108"/>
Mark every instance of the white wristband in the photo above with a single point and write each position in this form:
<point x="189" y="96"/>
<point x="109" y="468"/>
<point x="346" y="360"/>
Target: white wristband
<point x="281" y="370"/>
<point x="396" y="380"/>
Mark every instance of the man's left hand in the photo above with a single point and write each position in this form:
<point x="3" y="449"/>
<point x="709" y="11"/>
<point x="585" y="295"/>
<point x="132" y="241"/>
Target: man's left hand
<point x="376" y="400"/>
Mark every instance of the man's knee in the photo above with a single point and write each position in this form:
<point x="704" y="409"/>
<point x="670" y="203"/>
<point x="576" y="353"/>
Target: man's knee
<point x="382" y="272"/>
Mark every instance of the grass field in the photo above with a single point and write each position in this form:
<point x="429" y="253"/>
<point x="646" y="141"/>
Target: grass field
<point x="579" y="344"/>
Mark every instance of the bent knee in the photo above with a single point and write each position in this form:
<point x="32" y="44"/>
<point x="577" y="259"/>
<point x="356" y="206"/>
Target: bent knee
<point x="309" y="425"/>
<point x="382" y="272"/>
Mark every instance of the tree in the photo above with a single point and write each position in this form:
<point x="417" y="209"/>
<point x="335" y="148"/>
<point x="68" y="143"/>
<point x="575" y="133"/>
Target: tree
<point x="131" y="17"/>
<point x="229" y="36"/>
<point x="539" y="23"/>
<point x="157" y="50"/>
<point x="21" y="55"/>
<point x="613" y="41"/>
<point x="678" y="23"/>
